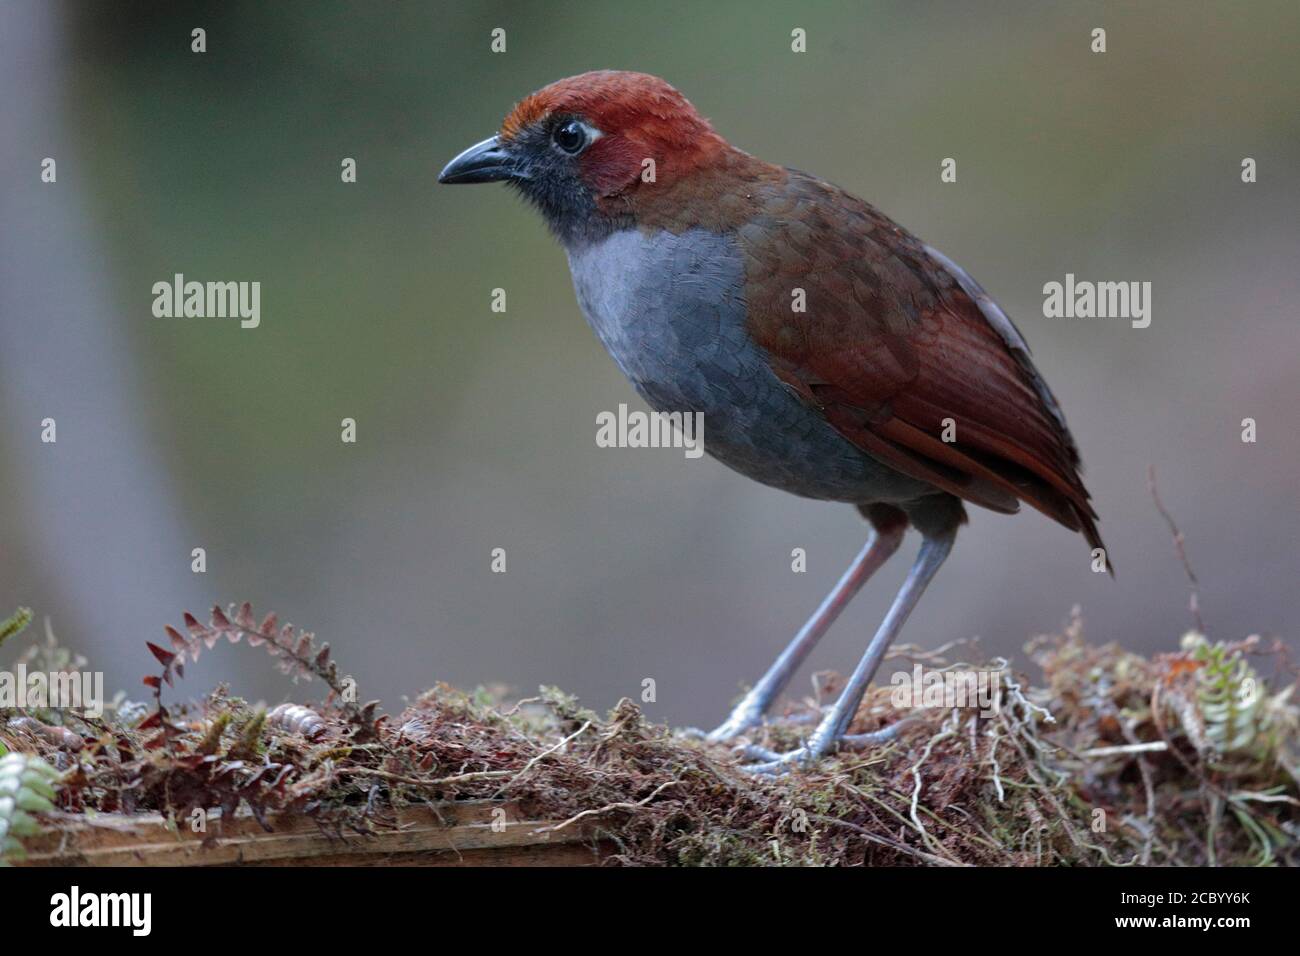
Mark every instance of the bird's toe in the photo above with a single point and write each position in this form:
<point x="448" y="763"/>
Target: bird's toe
<point x="774" y="764"/>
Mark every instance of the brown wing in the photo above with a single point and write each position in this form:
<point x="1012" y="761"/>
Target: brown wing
<point x="895" y="342"/>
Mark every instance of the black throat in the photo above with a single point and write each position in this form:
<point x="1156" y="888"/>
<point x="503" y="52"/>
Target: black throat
<point x="554" y="184"/>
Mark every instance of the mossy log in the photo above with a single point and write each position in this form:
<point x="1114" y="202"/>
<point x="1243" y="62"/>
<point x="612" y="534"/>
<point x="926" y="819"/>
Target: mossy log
<point x="453" y="833"/>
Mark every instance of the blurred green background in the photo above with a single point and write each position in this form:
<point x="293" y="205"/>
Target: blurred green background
<point x="476" y="429"/>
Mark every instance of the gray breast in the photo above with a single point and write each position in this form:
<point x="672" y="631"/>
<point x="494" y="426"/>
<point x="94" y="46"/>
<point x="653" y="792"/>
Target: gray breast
<point x="670" y="309"/>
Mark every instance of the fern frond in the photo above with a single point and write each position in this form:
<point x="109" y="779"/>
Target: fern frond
<point x="15" y="623"/>
<point x="1229" y="695"/>
<point x="27" y="786"/>
<point x="296" y="651"/>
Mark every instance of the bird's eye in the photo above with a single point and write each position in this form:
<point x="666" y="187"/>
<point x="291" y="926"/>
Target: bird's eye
<point x="570" y="137"/>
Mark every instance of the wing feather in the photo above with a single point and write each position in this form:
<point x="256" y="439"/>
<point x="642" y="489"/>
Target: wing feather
<point x="896" y="343"/>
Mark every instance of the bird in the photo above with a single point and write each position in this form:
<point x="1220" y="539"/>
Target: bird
<point x="831" y="353"/>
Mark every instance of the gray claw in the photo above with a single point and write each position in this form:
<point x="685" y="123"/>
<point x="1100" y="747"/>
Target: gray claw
<point x="782" y="763"/>
<point x="778" y="763"/>
<point x="755" y="752"/>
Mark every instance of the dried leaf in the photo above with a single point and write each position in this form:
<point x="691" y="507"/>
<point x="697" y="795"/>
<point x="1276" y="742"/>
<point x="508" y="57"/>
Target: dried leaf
<point x="178" y="641"/>
<point x="165" y="657"/>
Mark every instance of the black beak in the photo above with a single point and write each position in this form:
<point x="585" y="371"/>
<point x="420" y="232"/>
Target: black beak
<point x="485" y="162"/>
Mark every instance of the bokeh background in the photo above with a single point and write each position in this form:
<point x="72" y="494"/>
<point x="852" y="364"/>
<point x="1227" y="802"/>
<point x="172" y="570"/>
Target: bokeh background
<point x="476" y="429"/>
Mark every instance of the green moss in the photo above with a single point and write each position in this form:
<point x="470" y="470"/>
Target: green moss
<point x="15" y="623"/>
<point x="1111" y="759"/>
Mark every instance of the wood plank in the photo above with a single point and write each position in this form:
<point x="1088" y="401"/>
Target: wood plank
<point x="446" y="834"/>
<point x="553" y="854"/>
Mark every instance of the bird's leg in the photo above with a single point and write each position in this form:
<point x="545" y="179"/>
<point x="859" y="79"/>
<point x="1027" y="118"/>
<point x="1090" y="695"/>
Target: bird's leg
<point x="846" y="742"/>
<point x="831" y="731"/>
<point x="880" y="545"/>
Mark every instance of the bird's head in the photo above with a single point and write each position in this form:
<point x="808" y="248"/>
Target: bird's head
<point x="592" y="151"/>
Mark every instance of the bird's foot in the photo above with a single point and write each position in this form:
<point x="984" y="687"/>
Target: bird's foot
<point x="822" y="742"/>
<point x="748" y="713"/>
<point x="736" y="726"/>
<point x="733" y="727"/>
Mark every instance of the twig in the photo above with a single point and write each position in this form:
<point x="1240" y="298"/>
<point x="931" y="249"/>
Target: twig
<point x="1154" y="746"/>
<point x="418" y="782"/>
<point x="1194" y="601"/>
<point x="611" y="806"/>
<point x="1050" y="797"/>
<point x="520" y="703"/>
<point x="1263" y="797"/>
<point x="944" y="733"/>
<point x="545" y="753"/>
<point x="993" y="759"/>
<point x="885" y="841"/>
<point x="1145" y="769"/>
